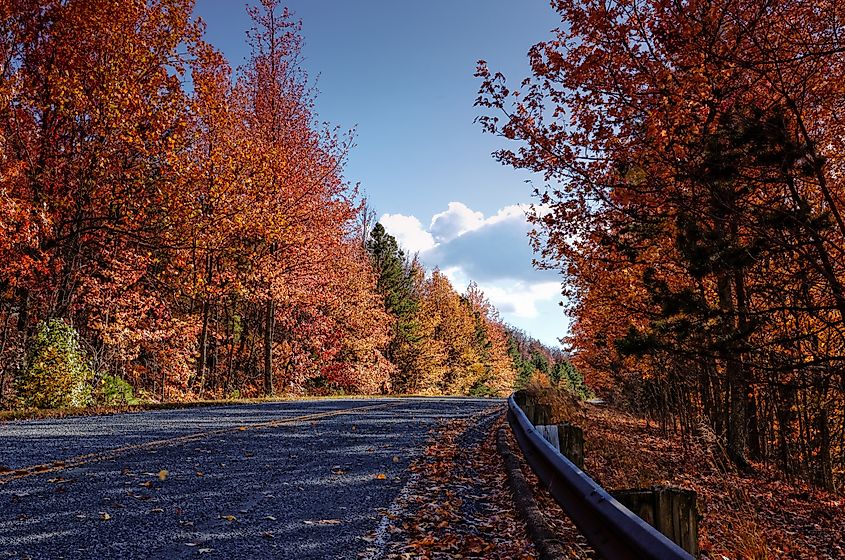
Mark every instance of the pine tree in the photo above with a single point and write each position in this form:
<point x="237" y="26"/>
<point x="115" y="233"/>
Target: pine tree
<point x="395" y="282"/>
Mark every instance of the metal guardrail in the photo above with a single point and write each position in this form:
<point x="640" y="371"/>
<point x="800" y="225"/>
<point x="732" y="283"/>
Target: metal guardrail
<point x="611" y="529"/>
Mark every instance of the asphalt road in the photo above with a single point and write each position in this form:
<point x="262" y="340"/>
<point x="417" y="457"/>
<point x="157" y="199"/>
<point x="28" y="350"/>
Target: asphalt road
<point x="307" y="479"/>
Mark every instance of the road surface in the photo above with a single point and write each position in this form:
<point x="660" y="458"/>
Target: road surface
<point x="306" y="479"/>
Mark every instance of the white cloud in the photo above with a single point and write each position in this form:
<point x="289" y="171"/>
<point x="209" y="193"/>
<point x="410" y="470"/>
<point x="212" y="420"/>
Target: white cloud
<point x="455" y="221"/>
<point x="512" y="212"/>
<point x="497" y="249"/>
<point x="494" y="252"/>
<point x="408" y="231"/>
<point x="522" y="299"/>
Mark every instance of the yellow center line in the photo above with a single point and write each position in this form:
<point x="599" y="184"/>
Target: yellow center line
<point x="88" y="458"/>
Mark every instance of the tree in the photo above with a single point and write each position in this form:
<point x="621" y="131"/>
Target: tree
<point x="303" y="209"/>
<point x="491" y="345"/>
<point x="396" y="285"/>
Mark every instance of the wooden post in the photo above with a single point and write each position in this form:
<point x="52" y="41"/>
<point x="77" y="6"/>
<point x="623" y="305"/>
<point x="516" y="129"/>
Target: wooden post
<point x="549" y="433"/>
<point x="567" y="439"/>
<point x="528" y="409"/>
<point x="537" y="414"/>
<point x="672" y="511"/>
<point x="571" y="443"/>
<point x="542" y="415"/>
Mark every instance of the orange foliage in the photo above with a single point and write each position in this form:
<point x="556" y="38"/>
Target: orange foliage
<point x="694" y="156"/>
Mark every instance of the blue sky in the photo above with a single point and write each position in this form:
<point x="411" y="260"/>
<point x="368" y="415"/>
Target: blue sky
<point x="401" y="74"/>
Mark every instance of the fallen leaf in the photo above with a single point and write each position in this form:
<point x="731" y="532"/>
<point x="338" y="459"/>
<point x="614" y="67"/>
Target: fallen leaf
<point x="104" y="516"/>
<point x="381" y="476"/>
<point x="162" y="474"/>
<point x="228" y="517"/>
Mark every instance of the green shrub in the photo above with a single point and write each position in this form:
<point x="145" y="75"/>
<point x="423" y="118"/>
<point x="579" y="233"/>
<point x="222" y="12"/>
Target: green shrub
<point x="114" y="391"/>
<point x="482" y="390"/>
<point x="56" y="373"/>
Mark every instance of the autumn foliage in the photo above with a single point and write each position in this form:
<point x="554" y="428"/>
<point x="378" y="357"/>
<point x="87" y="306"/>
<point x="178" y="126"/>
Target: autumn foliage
<point x="693" y="152"/>
<point x="174" y="228"/>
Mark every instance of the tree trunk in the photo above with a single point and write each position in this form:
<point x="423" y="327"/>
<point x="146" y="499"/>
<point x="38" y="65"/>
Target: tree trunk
<point x="823" y="464"/>
<point x="23" y="311"/>
<point x="737" y="387"/>
<point x="203" y="343"/>
<point x="203" y="340"/>
<point x="268" y="347"/>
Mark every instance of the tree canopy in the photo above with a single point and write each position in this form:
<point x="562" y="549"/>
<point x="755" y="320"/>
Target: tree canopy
<point x="693" y="157"/>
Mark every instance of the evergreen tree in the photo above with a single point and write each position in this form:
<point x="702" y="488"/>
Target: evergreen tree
<point x="396" y="285"/>
<point x="524" y="368"/>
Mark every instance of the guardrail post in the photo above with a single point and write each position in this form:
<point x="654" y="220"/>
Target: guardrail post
<point x="550" y="434"/>
<point x="571" y="442"/>
<point x="542" y="414"/>
<point x="538" y="414"/>
<point x="567" y="439"/>
<point x="672" y="511"/>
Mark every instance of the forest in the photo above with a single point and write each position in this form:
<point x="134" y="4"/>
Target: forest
<point x="172" y="228"/>
<point x="693" y="156"/>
